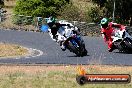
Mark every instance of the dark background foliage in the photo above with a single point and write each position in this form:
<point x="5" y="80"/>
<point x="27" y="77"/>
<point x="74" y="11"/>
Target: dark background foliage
<point x="123" y="9"/>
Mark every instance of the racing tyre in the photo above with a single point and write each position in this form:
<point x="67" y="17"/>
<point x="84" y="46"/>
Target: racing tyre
<point x="128" y="45"/>
<point x="85" y="52"/>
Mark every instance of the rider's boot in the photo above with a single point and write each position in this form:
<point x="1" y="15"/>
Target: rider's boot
<point x="112" y="48"/>
<point x="54" y="38"/>
<point x="62" y="46"/>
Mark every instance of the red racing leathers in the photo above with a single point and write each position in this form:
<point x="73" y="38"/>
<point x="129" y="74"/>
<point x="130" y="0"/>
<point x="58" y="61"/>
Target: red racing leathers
<point x="106" y="33"/>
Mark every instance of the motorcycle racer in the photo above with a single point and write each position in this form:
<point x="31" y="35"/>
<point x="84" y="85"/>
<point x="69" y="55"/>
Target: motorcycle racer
<point x="51" y="21"/>
<point x="106" y="30"/>
<point x="59" y="30"/>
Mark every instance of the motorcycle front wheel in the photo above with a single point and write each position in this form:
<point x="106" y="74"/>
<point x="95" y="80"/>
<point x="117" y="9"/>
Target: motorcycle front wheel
<point x="128" y="45"/>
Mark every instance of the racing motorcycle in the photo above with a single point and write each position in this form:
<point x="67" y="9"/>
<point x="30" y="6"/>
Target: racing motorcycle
<point x="74" y="43"/>
<point x="71" y="40"/>
<point x="122" y="40"/>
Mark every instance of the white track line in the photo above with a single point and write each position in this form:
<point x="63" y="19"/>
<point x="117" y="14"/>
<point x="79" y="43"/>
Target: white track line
<point x="32" y="53"/>
<point x="40" y="53"/>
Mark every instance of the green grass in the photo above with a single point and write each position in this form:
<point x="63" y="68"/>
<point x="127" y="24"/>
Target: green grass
<point x="55" y="79"/>
<point x="40" y="80"/>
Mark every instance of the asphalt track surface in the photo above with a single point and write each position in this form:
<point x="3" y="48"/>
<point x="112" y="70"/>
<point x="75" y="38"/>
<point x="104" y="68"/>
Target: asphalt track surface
<point x="52" y="54"/>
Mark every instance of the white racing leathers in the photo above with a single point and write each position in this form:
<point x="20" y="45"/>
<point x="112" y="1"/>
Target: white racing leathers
<point x="64" y="32"/>
<point x="68" y="37"/>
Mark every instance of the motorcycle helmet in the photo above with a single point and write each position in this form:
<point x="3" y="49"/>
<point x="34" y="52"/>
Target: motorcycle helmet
<point x="104" y="23"/>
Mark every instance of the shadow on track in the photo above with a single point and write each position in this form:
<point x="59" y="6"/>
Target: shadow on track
<point x="77" y="56"/>
<point x="123" y="52"/>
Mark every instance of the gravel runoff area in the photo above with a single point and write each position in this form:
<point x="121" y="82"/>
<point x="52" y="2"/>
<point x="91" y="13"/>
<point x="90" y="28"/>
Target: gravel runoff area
<point x="12" y="50"/>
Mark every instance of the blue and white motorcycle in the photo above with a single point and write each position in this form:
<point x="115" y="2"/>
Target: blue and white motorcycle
<point x="76" y="45"/>
<point x="71" y="39"/>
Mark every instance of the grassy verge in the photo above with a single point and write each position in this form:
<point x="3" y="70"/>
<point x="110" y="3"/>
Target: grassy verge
<point x="11" y="50"/>
<point x="55" y="76"/>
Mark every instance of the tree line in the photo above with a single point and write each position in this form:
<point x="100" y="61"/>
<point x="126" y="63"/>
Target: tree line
<point x="103" y="8"/>
<point x="123" y="9"/>
<point x="42" y="8"/>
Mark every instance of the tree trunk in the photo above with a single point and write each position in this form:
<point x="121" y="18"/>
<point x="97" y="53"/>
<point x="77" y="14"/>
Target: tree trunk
<point x="130" y="21"/>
